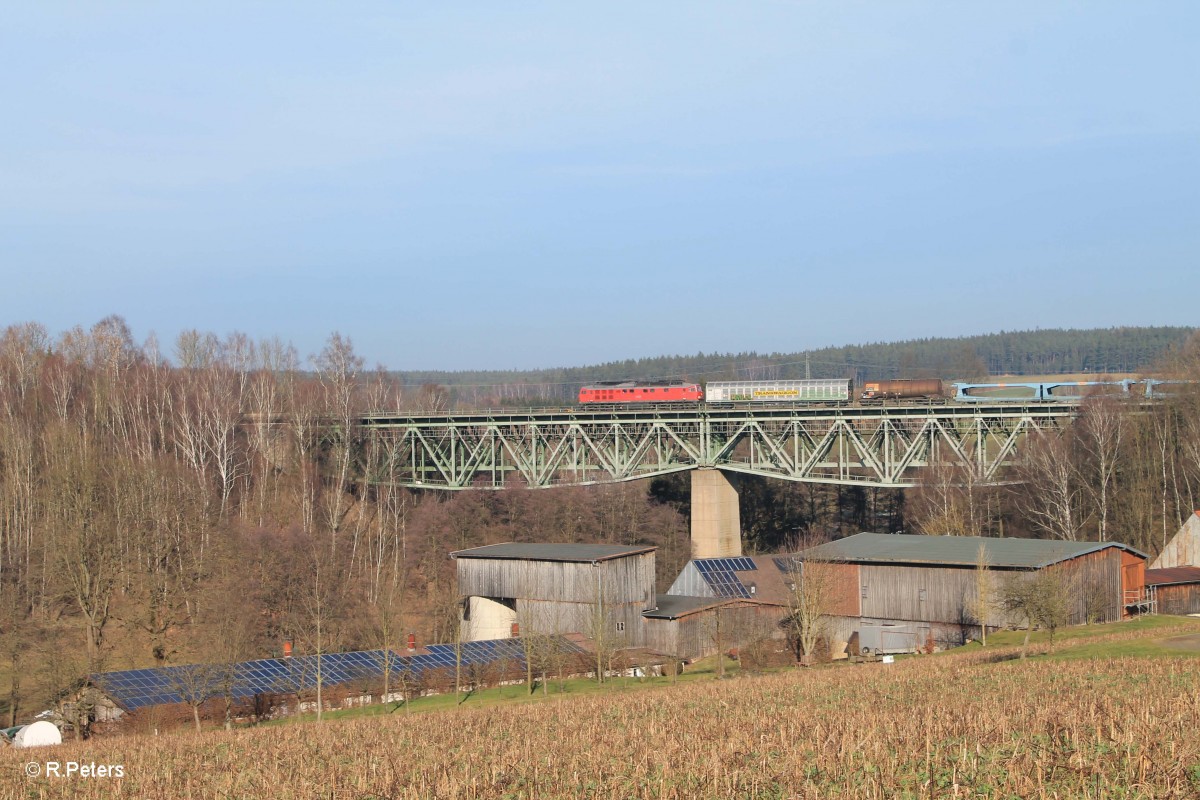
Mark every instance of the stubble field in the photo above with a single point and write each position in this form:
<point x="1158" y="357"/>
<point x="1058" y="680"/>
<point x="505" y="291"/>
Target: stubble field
<point x="975" y="724"/>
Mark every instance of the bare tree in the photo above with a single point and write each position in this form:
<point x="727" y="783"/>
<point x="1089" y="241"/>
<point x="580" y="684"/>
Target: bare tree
<point x="1051" y="496"/>
<point x="538" y="642"/>
<point x="196" y="684"/>
<point x="716" y="630"/>
<point x="338" y="369"/>
<point x="814" y="585"/>
<point x="1042" y="598"/>
<point x="388" y="623"/>
<point x="320" y="605"/>
<point x="984" y="601"/>
<point x="949" y="501"/>
<point x="606" y="639"/>
<point x="1100" y="428"/>
<point x="89" y="556"/>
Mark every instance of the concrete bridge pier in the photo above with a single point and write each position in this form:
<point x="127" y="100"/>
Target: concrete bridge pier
<point x="716" y="518"/>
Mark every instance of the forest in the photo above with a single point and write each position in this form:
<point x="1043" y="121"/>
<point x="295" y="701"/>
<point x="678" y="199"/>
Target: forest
<point x="1098" y="351"/>
<point x="213" y="502"/>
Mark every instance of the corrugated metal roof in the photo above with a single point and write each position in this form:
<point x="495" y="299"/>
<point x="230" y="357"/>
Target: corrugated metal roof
<point x="1171" y="575"/>
<point x="526" y="551"/>
<point x="674" y="606"/>
<point x="894" y="548"/>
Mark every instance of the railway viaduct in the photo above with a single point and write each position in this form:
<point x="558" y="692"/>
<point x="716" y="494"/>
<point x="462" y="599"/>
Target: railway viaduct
<point x="880" y="446"/>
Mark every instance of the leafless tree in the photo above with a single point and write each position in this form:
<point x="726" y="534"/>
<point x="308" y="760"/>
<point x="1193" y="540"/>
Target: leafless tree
<point x="196" y="684"/>
<point x="320" y="604"/>
<point x="1051" y="496"/>
<point x="1100" y="428"/>
<point x="814" y="585"/>
<point x="1042" y="598"/>
<point x="338" y="369"/>
<point x="984" y="601"/>
<point x="601" y="629"/>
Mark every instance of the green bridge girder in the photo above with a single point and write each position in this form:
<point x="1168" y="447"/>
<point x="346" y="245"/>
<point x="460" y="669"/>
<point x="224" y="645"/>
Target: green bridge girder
<point x="860" y="446"/>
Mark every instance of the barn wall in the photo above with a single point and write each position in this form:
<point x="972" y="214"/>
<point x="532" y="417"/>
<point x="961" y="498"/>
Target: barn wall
<point x="620" y="580"/>
<point x="1096" y="578"/>
<point x="550" y="616"/>
<point x="1184" y="548"/>
<point x="896" y="592"/>
<point x="1183" y="598"/>
<point x="690" y="583"/>
<point x="929" y="594"/>
<point x="694" y="636"/>
<point x="1133" y="578"/>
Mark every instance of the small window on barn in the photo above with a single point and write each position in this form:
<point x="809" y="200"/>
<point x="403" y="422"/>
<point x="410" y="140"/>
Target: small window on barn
<point x="620" y="627"/>
<point x="922" y="596"/>
<point x="864" y="591"/>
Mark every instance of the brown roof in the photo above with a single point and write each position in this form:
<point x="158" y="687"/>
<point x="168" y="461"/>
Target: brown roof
<point x="1170" y="575"/>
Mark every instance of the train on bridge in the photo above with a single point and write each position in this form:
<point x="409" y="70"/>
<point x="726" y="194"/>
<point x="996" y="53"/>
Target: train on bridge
<point x="841" y="391"/>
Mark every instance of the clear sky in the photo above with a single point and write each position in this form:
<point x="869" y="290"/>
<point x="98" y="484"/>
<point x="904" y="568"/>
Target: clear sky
<point x="496" y="185"/>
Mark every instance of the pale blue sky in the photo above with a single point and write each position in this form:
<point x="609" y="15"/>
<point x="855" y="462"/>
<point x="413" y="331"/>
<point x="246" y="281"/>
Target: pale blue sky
<point x="487" y="185"/>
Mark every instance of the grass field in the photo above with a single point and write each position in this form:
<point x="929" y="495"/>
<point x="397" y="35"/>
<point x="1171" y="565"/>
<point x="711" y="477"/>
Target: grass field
<point x="1113" y="713"/>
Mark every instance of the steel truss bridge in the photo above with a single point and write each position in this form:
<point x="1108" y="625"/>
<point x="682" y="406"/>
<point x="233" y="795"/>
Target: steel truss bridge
<point x="867" y="446"/>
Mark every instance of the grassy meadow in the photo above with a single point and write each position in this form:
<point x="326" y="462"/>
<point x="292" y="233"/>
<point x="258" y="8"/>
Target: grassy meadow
<point x="1113" y="712"/>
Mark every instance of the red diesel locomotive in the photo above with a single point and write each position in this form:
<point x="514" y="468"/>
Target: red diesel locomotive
<point x="641" y="392"/>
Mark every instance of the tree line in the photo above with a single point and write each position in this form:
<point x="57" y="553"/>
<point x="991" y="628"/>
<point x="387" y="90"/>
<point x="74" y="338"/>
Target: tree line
<point x="1051" y="351"/>
<point x="214" y="503"/>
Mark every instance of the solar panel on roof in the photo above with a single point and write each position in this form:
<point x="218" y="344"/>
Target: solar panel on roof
<point x="134" y="689"/>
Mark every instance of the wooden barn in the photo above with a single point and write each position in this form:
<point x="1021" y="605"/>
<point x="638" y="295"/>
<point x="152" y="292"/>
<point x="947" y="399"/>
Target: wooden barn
<point x="1176" y="590"/>
<point x="597" y="590"/>
<point x="929" y="583"/>
<point x="694" y="627"/>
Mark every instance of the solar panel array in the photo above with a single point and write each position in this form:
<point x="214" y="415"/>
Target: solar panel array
<point x="718" y="573"/>
<point x="788" y="564"/>
<point x="138" y="688"/>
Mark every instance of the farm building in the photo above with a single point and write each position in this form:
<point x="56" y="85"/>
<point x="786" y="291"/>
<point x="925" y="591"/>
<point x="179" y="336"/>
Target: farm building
<point x="875" y="584"/>
<point x="1176" y="590"/>
<point x="924" y="585"/>
<point x="1184" y="548"/>
<point x="553" y="588"/>
<point x="693" y="627"/>
<point x="596" y="590"/>
<point x="930" y="582"/>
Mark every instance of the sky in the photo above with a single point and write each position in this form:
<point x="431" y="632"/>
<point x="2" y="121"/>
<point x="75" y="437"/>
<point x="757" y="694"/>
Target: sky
<point x="477" y="185"/>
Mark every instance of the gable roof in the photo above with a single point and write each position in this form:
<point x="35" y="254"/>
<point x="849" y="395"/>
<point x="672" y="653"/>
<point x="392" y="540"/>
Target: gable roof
<point x="959" y="551"/>
<point x="1172" y="575"/>
<point x="758" y="578"/>
<point x="526" y="551"/>
<point x="1184" y="548"/>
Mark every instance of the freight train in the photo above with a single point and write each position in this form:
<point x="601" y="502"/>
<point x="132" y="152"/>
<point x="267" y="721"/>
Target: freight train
<point x="822" y="390"/>
<point x="840" y="391"/>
